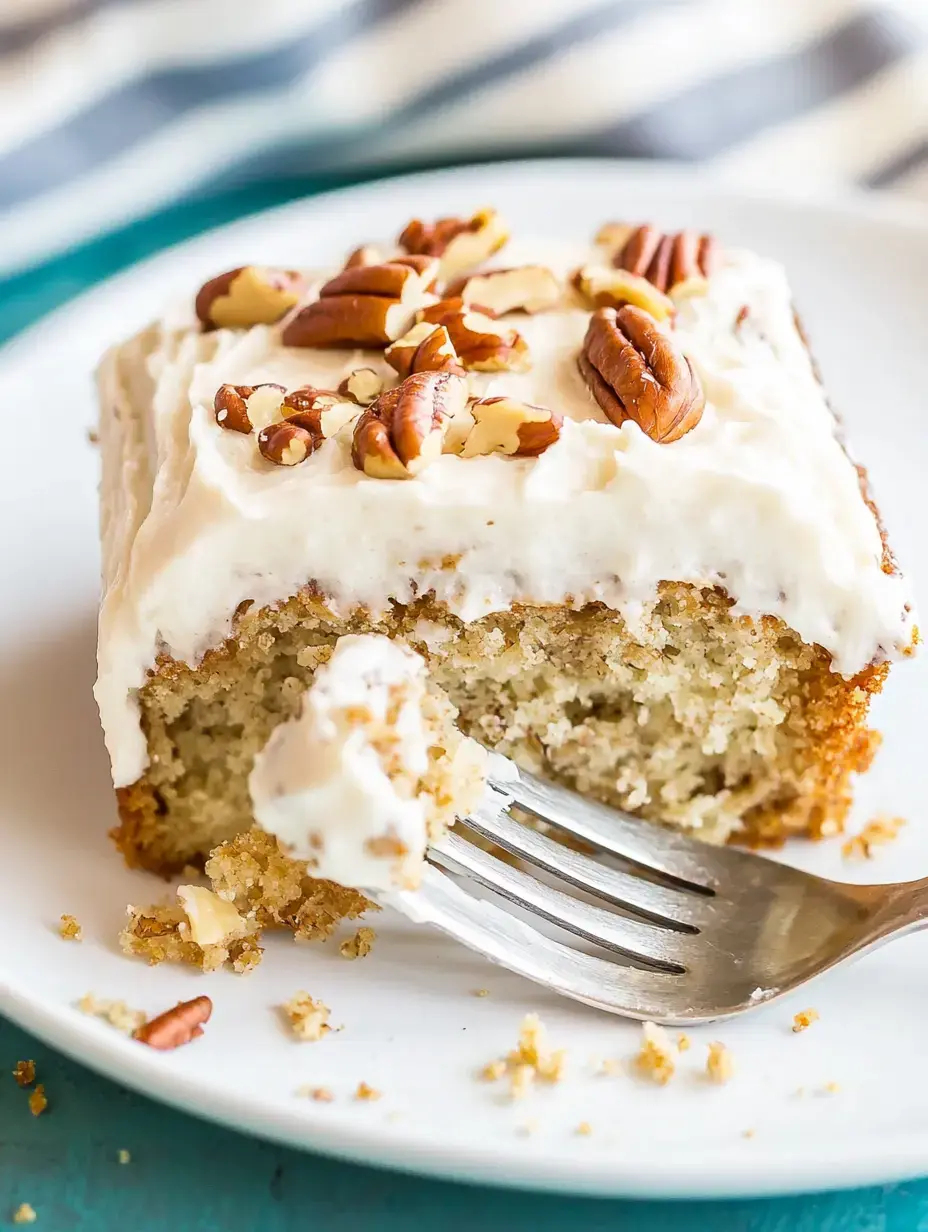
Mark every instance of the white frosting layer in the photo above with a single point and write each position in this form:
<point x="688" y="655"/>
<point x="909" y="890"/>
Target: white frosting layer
<point x="759" y="498"/>
<point x="337" y="783"/>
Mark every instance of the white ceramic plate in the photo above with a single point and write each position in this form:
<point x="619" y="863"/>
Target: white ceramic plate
<point x="412" y="1026"/>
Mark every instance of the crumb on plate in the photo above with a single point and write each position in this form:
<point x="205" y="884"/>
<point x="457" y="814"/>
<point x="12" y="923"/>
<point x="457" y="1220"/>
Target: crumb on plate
<point x="69" y="929"/>
<point x="358" y="946"/>
<point x="309" y="1019"/>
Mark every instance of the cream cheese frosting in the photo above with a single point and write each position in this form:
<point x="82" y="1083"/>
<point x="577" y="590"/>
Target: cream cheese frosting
<point x="338" y="784"/>
<point x="759" y="498"/>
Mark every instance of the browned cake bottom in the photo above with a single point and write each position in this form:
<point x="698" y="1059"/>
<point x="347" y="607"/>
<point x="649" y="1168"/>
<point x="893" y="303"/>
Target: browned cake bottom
<point x="715" y="724"/>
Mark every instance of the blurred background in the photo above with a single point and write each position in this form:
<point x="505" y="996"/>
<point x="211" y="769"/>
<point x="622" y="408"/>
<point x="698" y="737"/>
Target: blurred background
<point x="111" y="110"/>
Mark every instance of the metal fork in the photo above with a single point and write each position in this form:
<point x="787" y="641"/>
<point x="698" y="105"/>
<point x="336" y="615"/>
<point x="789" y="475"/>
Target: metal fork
<point x="686" y="932"/>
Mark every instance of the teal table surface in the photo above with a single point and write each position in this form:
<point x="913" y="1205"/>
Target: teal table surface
<point x="190" y="1176"/>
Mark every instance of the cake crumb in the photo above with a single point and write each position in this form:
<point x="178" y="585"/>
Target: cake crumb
<point x="804" y="1019"/>
<point x="309" y="1019"/>
<point x="656" y="1057"/>
<point x="123" y="1156"/>
<point x="481" y="992"/>
<point x="683" y="1043"/>
<point x="719" y="1064"/>
<point x="322" y="1095"/>
<point x="116" y="1013"/>
<point x="493" y="1070"/>
<point x="831" y="1088"/>
<point x="878" y="831"/>
<point x="69" y="929"/>
<point x="24" y="1213"/>
<point x="24" y="1073"/>
<point x="358" y="946"/>
<point x="38" y="1101"/>
<point x="610" y="1067"/>
<point x="584" y="1129"/>
<point x="531" y="1059"/>
<point x="200" y="929"/>
<point x="365" y="1092"/>
<point x="748" y="1133"/>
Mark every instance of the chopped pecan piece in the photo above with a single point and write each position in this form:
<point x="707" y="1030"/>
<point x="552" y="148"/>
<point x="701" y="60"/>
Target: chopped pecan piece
<point x="525" y="288"/>
<point x="504" y="425"/>
<point x="666" y="259"/>
<point x="362" y="386"/>
<point x="364" y="254"/>
<point x="364" y="305"/>
<point x="482" y="344"/>
<point x="240" y="408"/>
<point x="461" y="243"/>
<point x="287" y="443"/>
<point x="176" y="1026"/>
<point x="249" y="295"/>
<point x="605" y="287"/>
<point x="319" y="411"/>
<point x="404" y="430"/>
<point x="426" y="348"/>
<point x="635" y="371"/>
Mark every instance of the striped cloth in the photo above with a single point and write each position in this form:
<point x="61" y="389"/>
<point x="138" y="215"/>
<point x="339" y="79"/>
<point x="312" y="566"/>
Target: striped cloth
<point x="111" y="108"/>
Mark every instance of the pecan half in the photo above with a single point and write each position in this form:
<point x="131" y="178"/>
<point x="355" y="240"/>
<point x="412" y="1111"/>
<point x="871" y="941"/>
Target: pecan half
<point x="602" y="286"/>
<point x="635" y="371"/>
<point x="404" y="430"/>
<point x="176" y="1026"/>
<point x="666" y="259"/>
<point x="525" y="288"/>
<point x="461" y="243"/>
<point x="240" y="408"/>
<point x="482" y="344"/>
<point x="426" y="348"/>
<point x="364" y="305"/>
<point x="319" y="411"/>
<point x="504" y="425"/>
<point x="249" y="295"/>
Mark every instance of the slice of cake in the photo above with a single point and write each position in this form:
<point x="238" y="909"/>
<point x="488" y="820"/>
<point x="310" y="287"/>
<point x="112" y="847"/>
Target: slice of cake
<point x="598" y="488"/>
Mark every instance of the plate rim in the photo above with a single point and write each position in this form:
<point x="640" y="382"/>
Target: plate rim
<point x="776" y="1172"/>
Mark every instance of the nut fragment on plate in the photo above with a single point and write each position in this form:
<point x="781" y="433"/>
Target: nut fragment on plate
<point x="249" y="295"/>
<point x="606" y="287"/>
<point x="404" y="430"/>
<point x="176" y="1026"/>
<point x="481" y="344"/>
<point x="666" y="259"/>
<point x="425" y="348"/>
<point x="524" y="288"/>
<point x="635" y="371"/>
<point x="461" y="243"/>
<point x="242" y="408"/>
<point x="364" y="305"/>
<point x="504" y="425"/>
<point x="362" y="386"/>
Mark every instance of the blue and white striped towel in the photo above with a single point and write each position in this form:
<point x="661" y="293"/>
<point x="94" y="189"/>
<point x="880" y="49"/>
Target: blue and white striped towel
<point x="110" y="108"/>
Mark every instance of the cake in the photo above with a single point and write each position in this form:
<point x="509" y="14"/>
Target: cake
<point x="596" y="490"/>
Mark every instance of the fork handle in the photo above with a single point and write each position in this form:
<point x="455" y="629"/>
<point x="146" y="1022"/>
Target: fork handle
<point x="895" y="909"/>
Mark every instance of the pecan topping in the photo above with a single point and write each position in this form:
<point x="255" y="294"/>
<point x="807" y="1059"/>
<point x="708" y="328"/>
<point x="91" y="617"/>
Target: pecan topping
<point x="426" y="348"/>
<point x="287" y="443"/>
<point x="319" y="411"/>
<point x="635" y="371"/>
<point x="405" y="429"/>
<point x="364" y="305"/>
<point x="249" y="295"/>
<point x="482" y="344"/>
<point x="605" y="287"/>
<point x="461" y="243"/>
<point x="526" y="288"/>
<point x="666" y="259"/>
<point x="503" y="425"/>
<point x="240" y="407"/>
<point x="362" y="386"/>
<point x="176" y="1026"/>
<point x="364" y="254"/>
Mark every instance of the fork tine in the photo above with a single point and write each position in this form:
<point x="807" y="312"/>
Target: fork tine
<point x="657" y="902"/>
<point x="635" y="939"/>
<point x="501" y="937"/>
<point x="651" y="847"/>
